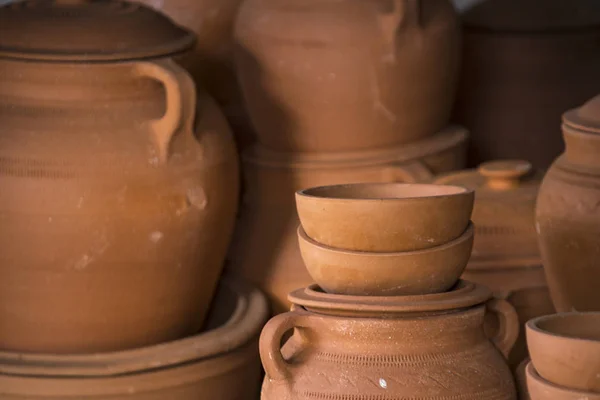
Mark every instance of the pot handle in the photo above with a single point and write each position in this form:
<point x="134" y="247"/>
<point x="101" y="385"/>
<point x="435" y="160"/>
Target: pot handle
<point x="403" y="14"/>
<point x="409" y="172"/>
<point x="276" y="367"/>
<point x="181" y="99"/>
<point x="508" y="331"/>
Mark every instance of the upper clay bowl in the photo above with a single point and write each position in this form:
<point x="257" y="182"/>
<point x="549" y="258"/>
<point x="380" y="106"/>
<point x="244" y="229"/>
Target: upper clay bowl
<point x="565" y="349"/>
<point x="433" y="270"/>
<point x="540" y="389"/>
<point x="384" y="217"/>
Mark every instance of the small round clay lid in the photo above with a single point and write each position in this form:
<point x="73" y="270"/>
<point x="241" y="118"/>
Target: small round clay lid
<point x="87" y="30"/>
<point x="533" y="15"/>
<point x="504" y="212"/>
<point x="464" y="294"/>
<point x="586" y="117"/>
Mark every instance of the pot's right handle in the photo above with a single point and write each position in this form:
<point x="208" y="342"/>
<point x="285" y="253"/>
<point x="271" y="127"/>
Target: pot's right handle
<point x="181" y="95"/>
<point x="409" y="172"/>
<point x="508" y="331"/>
<point x="276" y="367"/>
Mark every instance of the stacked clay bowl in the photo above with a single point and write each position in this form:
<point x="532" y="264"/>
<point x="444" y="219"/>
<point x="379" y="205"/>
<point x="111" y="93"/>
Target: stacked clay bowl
<point x="565" y="356"/>
<point x="385" y="239"/>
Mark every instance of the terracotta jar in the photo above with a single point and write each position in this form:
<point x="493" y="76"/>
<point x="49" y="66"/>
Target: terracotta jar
<point x="568" y="218"/>
<point x="506" y="257"/>
<point x="418" y="347"/>
<point x="334" y="76"/>
<point x="511" y="107"/>
<point x="118" y="180"/>
<point x="265" y="248"/>
<point x="201" y="366"/>
<point x="211" y="61"/>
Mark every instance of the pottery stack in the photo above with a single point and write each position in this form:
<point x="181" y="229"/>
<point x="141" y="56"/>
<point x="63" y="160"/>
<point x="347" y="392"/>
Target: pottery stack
<point x="565" y="354"/>
<point x="506" y="256"/>
<point x="338" y="92"/>
<point x="118" y="193"/>
<point x="389" y="316"/>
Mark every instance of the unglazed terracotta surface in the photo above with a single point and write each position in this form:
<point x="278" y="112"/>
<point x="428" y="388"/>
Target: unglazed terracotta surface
<point x="565" y="349"/>
<point x="433" y="270"/>
<point x="422" y="347"/>
<point x="541" y="389"/>
<point x="221" y="363"/>
<point x="118" y="180"/>
<point x="521" y="379"/>
<point x="568" y="217"/>
<point x="512" y="109"/>
<point x="333" y="76"/>
<point x="506" y="256"/>
<point x="265" y="248"/>
<point x="384" y="217"/>
<point x="211" y="61"/>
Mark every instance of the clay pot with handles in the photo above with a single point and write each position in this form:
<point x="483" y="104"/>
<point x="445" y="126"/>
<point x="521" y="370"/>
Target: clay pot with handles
<point x="335" y="76"/>
<point x="354" y="347"/>
<point x="118" y="180"/>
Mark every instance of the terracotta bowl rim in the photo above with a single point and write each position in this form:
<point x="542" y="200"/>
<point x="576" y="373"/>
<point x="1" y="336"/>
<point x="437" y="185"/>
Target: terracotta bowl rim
<point x="531" y="373"/>
<point x="449" y="192"/>
<point x="533" y="325"/>
<point x="467" y="235"/>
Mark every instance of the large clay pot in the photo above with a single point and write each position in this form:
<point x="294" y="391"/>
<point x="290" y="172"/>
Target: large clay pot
<point x="568" y="217"/>
<point x="506" y="257"/>
<point x="265" y="248"/>
<point x="524" y="63"/>
<point x="221" y="363"/>
<point x="211" y="61"/>
<point x="321" y="75"/>
<point x="118" y="180"/>
<point x="398" y="347"/>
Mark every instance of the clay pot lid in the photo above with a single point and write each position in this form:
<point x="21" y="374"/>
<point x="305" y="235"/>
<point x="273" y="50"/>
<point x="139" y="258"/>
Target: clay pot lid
<point x="586" y="117"/>
<point x="239" y="313"/>
<point x="533" y="15"/>
<point x="465" y="294"/>
<point x="88" y="30"/>
<point x="504" y="212"/>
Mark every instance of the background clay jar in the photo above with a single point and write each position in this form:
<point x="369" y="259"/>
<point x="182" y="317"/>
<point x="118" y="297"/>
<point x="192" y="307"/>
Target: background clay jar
<point x="506" y="256"/>
<point x="334" y="76"/>
<point x="512" y="108"/>
<point x="265" y="246"/>
<point x="221" y="363"/>
<point x="353" y="347"/>
<point x="568" y="217"/>
<point x="211" y="61"/>
<point x="116" y="219"/>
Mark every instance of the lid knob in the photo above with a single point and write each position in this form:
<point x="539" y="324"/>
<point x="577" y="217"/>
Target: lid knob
<point x="504" y="174"/>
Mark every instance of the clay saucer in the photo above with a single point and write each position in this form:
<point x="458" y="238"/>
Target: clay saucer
<point x="384" y="217"/>
<point x="565" y="349"/>
<point x="433" y="270"/>
<point x="463" y="295"/>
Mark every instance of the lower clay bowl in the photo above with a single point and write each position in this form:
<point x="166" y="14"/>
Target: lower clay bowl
<point x="220" y="363"/>
<point x="541" y="389"/>
<point x="428" y="271"/>
<point x="565" y="349"/>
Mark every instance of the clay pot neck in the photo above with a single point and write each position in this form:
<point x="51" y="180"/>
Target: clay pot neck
<point x="75" y="84"/>
<point x="581" y="148"/>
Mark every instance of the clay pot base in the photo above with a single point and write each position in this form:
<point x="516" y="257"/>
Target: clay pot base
<point x="464" y="294"/>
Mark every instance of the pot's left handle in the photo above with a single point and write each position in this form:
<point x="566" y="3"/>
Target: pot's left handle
<point x="276" y="367"/>
<point x="181" y="99"/>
